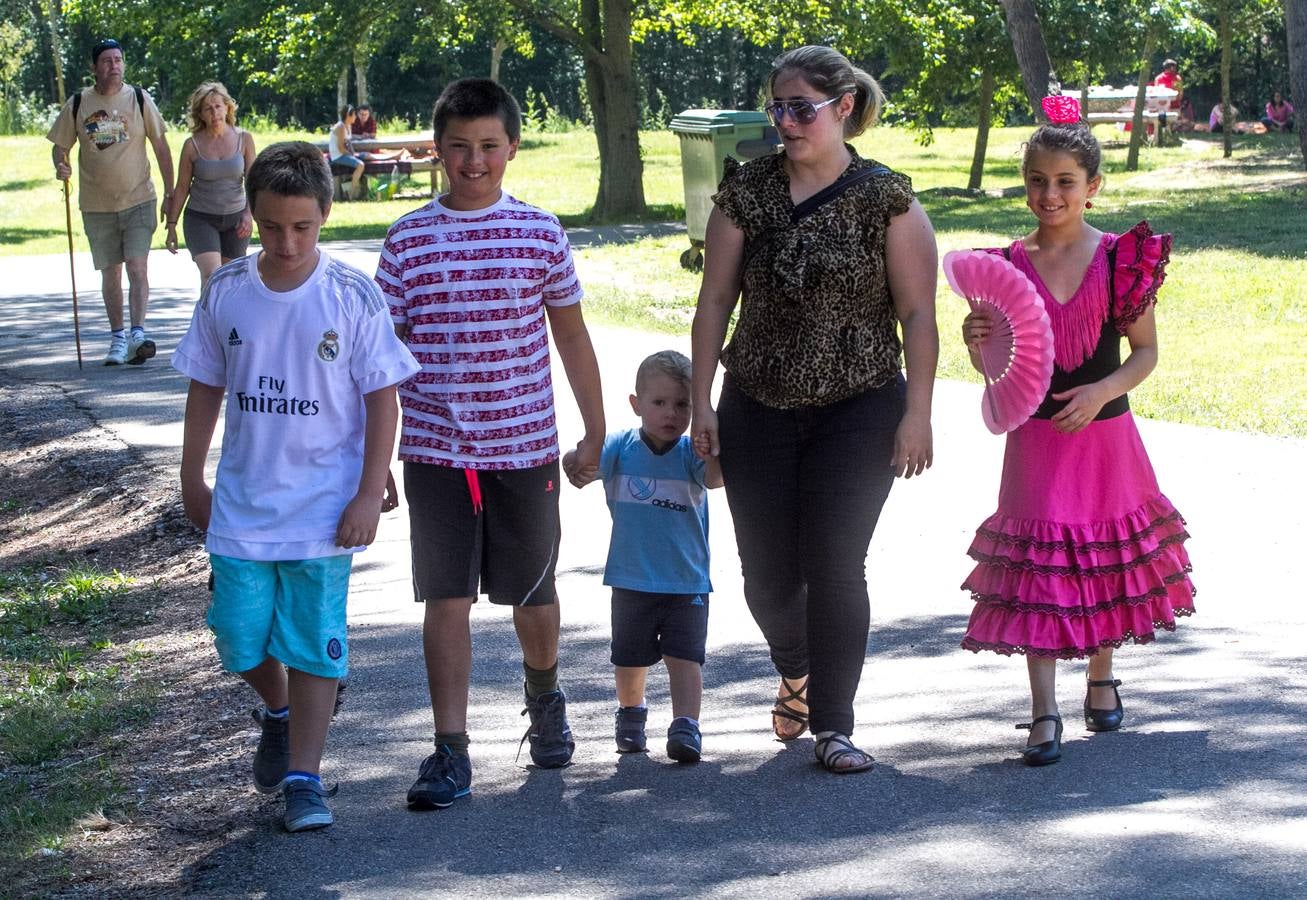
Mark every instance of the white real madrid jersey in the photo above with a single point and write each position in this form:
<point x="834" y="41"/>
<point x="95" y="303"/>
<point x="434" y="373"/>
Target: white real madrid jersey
<point x="295" y="366"/>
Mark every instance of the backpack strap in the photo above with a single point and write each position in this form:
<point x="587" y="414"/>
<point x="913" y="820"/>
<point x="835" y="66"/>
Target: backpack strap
<point x="136" y="88"/>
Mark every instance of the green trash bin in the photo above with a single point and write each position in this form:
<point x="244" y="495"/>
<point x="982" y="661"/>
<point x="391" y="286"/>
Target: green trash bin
<point x="708" y="136"/>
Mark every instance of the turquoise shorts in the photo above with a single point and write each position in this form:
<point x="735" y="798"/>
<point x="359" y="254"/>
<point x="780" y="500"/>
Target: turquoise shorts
<point x="291" y="610"/>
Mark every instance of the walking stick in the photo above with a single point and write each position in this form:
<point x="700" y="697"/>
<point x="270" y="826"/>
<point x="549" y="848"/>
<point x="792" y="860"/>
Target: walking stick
<point x="72" y="273"/>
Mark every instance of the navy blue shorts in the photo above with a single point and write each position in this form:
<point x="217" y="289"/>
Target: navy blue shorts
<point x="647" y="627"/>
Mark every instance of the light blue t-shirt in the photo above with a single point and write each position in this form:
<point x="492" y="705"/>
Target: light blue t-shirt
<point x="660" y="516"/>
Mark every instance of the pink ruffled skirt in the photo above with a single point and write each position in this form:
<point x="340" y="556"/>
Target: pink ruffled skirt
<point x="1084" y="551"/>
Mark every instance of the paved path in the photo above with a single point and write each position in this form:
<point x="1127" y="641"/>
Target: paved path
<point x="1204" y="794"/>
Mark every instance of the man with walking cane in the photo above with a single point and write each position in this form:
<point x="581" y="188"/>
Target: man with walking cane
<point x="111" y="124"/>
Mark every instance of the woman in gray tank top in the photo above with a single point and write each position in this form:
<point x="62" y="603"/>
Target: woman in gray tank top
<point x="215" y="159"/>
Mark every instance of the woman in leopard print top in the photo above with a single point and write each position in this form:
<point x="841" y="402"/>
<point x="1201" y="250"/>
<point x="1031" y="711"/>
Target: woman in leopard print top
<point x="815" y="418"/>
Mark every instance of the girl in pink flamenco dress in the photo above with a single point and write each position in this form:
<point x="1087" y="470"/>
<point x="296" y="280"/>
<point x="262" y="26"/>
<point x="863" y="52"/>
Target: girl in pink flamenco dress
<point x="1084" y="552"/>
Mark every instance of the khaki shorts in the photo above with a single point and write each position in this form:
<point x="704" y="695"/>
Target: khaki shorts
<point x="122" y="235"/>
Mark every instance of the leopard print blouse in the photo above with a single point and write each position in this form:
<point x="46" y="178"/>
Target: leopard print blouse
<point x="816" y="322"/>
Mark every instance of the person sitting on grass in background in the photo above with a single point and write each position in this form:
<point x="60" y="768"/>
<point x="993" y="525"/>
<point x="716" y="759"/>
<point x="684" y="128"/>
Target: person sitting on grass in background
<point x="658" y="554"/>
<point x="302" y="347"/>
<point x="471" y="278"/>
<point x="1216" y="119"/>
<point x="1279" y="114"/>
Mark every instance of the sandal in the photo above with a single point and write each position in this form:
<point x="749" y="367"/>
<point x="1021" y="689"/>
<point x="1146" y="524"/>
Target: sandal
<point x="831" y="747"/>
<point x="783" y="710"/>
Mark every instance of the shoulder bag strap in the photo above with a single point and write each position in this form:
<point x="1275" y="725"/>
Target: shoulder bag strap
<point x="831" y="191"/>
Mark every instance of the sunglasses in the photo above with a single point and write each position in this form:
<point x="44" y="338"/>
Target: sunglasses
<point x="802" y="111"/>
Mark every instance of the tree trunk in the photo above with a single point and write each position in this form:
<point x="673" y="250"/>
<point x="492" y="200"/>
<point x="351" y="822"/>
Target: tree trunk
<point x="361" y="60"/>
<point x="1295" y="23"/>
<point x="342" y="88"/>
<point x="1137" y="127"/>
<point x="1227" y="121"/>
<point x="1031" y="53"/>
<point x="982" y="131"/>
<point x="497" y="57"/>
<point x="56" y="47"/>
<point x="610" y="77"/>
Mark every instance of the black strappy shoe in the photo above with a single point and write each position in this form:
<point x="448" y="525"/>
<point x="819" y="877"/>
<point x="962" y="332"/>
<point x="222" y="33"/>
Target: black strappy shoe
<point x="782" y="710"/>
<point x="831" y="747"/>
<point x="1048" y="752"/>
<point x="1104" y="719"/>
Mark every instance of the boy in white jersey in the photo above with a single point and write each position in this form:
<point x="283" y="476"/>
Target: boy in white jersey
<point x="302" y="346"/>
<point x="471" y="278"/>
<point x="658" y="555"/>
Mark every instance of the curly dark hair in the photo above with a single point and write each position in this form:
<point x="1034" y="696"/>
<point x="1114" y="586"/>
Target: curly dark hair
<point x="1074" y="138"/>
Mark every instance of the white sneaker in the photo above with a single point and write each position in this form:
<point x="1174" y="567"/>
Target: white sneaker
<point x="139" y="348"/>
<point x="117" y="354"/>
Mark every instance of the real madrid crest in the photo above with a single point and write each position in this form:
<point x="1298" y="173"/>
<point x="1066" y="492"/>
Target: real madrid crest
<point x="329" y="349"/>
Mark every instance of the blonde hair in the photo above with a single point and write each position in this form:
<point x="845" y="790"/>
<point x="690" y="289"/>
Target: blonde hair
<point x="200" y="94"/>
<point x="830" y="72"/>
<point x="665" y="362"/>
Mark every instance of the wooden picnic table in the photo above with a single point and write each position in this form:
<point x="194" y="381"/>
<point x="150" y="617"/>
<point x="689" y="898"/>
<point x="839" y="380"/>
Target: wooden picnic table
<point x="414" y="144"/>
<point x="1109" y="104"/>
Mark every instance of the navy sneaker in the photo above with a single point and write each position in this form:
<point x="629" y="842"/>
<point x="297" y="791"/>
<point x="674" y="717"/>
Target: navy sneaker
<point x="305" y="807"/>
<point x="629" y="730"/>
<point x="549" y="733"/>
<point x="444" y="777"/>
<point x="272" y="758"/>
<point x="684" y="744"/>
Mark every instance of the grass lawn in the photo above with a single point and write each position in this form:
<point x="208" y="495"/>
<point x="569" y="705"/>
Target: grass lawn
<point x="1232" y="315"/>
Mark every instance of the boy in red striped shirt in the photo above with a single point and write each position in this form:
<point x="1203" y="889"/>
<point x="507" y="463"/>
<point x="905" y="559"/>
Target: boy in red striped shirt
<point x="471" y="278"/>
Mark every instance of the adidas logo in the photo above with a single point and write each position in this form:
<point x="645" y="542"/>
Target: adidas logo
<point x="233" y="339"/>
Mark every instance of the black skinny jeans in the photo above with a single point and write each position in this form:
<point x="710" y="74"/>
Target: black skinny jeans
<point x="805" y="487"/>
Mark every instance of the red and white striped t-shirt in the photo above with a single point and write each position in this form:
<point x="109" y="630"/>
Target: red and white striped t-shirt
<point x="471" y="286"/>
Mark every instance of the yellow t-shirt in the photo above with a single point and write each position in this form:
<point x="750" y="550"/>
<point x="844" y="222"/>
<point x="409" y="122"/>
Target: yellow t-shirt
<point x="113" y="172"/>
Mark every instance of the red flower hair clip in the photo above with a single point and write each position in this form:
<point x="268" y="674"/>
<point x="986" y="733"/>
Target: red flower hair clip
<point x="1061" y="109"/>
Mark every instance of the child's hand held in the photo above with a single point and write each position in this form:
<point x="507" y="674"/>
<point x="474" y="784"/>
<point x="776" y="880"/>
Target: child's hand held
<point x="582" y="464"/>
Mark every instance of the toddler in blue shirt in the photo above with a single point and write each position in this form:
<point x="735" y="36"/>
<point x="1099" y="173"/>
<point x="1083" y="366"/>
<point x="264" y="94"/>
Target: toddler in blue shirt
<point x="658" y="555"/>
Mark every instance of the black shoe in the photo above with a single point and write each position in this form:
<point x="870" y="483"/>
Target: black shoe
<point x="549" y="734"/>
<point x="684" y="743"/>
<point x="444" y="777"/>
<point x="1048" y="752"/>
<point x="272" y="758"/>
<point x="1104" y="719"/>
<point x="629" y="729"/>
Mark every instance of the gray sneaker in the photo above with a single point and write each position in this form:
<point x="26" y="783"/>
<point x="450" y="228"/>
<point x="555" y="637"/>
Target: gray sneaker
<point x="549" y="733"/>
<point x="444" y="777"/>
<point x="117" y="354"/>
<point x="272" y="759"/>
<point x="139" y="348"/>
<point x="684" y="743"/>
<point x="305" y="808"/>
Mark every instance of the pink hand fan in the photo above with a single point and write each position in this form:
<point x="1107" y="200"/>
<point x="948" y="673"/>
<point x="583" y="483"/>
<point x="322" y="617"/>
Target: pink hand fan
<point x="1017" y="357"/>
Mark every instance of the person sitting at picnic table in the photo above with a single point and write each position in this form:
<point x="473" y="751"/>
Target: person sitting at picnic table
<point x="1279" y="114"/>
<point x="341" y="151"/>
<point x="1170" y="78"/>
<point x="364" y="125"/>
